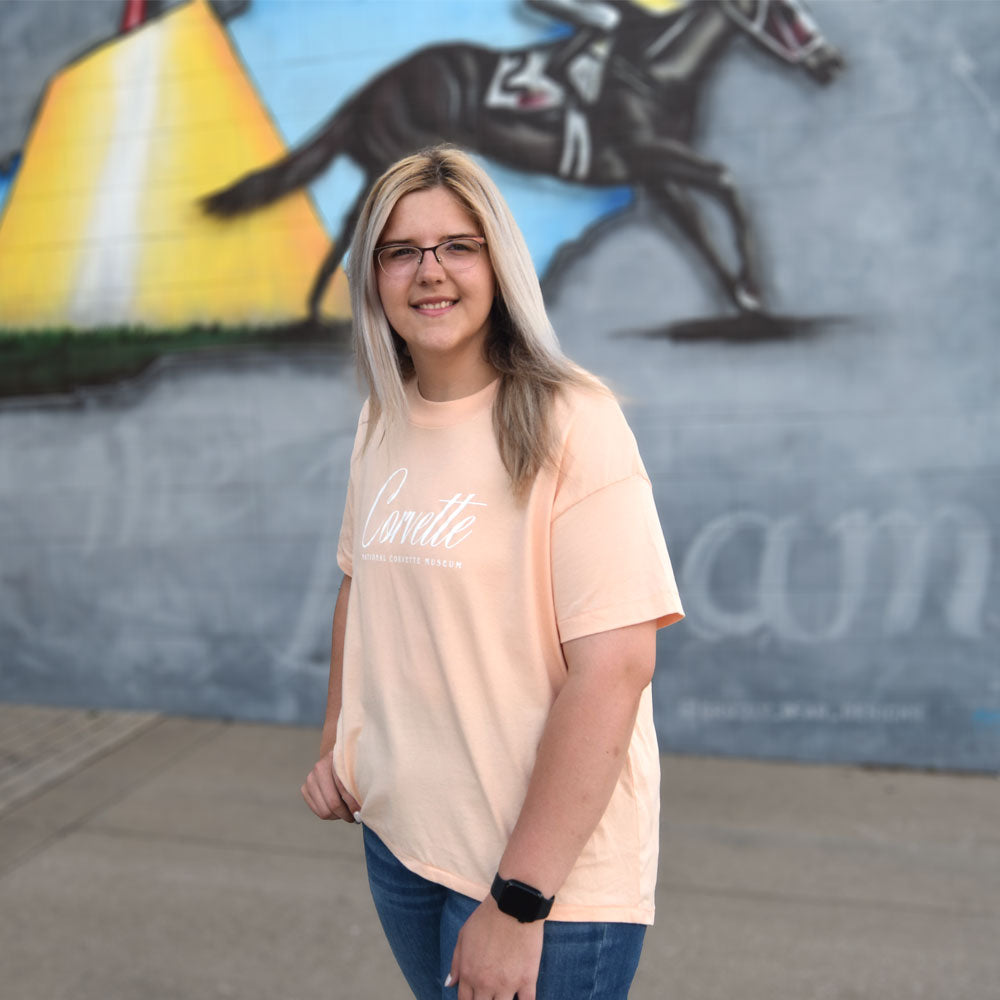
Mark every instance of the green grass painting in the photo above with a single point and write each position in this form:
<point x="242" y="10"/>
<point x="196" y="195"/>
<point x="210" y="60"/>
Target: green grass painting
<point x="40" y="363"/>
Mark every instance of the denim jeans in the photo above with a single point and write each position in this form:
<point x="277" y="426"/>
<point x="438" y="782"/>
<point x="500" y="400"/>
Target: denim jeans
<point x="421" y="919"/>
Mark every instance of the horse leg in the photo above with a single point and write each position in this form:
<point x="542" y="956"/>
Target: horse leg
<point x="748" y="292"/>
<point x="665" y="168"/>
<point x="675" y="203"/>
<point x="335" y="254"/>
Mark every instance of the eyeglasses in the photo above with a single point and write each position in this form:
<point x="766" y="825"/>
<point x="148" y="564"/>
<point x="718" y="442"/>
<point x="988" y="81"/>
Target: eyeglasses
<point x="399" y="260"/>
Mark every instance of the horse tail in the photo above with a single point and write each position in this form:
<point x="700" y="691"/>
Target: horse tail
<point x="293" y="171"/>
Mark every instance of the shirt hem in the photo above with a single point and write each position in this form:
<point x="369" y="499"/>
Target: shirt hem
<point x="567" y="912"/>
<point x="661" y="611"/>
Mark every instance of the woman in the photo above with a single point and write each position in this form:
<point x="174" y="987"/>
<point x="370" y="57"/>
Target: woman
<point x="489" y="718"/>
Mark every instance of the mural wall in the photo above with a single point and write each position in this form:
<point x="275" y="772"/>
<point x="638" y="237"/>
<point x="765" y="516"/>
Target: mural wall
<point x="770" y="228"/>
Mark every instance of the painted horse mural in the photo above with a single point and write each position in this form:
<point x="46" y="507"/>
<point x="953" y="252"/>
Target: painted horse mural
<point x="612" y="104"/>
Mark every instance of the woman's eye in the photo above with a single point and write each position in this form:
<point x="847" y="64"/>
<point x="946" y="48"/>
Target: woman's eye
<point x="402" y="253"/>
<point x="459" y="247"/>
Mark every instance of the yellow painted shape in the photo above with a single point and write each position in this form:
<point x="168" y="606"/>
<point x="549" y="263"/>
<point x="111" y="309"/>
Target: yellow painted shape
<point x="252" y="267"/>
<point x="183" y="267"/>
<point x="661" y="6"/>
<point x="49" y="205"/>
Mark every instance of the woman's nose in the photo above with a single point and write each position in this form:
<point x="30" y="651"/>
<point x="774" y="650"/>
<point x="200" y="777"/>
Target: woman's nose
<point x="429" y="266"/>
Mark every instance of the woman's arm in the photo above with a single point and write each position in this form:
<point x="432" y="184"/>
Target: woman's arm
<point x="322" y="790"/>
<point x="580" y="757"/>
<point x="333" y="691"/>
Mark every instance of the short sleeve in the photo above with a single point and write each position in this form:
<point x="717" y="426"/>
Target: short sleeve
<point x="345" y="544"/>
<point x="610" y="566"/>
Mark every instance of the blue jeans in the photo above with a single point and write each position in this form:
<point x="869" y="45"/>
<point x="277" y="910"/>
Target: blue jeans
<point x="421" y="919"/>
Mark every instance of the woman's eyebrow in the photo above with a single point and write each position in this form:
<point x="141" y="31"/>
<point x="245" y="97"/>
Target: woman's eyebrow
<point x="412" y="243"/>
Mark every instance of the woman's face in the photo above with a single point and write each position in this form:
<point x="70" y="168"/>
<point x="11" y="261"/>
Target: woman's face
<point x="441" y="313"/>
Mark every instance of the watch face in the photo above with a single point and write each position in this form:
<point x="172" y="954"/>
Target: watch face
<point x="523" y="902"/>
<point x="520" y="902"/>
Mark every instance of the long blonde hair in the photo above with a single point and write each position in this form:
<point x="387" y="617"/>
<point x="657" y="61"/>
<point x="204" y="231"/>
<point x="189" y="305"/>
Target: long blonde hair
<point x="521" y="344"/>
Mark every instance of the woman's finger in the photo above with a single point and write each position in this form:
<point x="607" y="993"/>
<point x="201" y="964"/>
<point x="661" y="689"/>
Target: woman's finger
<point x="323" y="791"/>
<point x="345" y="795"/>
<point x="318" y="808"/>
<point x="324" y="807"/>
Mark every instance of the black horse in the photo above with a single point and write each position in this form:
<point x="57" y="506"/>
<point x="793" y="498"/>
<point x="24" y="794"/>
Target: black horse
<point x="628" y="120"/>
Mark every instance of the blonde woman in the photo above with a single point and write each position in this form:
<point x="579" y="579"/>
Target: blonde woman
<point x="489" y="719"/>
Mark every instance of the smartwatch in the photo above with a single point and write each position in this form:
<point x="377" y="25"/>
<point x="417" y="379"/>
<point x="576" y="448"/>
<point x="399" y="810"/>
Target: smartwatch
<point x="523" y="902"/>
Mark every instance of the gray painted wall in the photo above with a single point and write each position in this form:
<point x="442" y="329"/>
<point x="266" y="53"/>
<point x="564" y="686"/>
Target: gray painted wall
<point x="831" y="502"/>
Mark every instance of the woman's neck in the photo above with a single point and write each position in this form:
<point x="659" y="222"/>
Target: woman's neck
<point x="439" y="383"/>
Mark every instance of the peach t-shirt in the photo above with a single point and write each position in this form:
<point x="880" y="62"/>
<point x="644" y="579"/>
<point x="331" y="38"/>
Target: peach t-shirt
<point x="460" y="599"/>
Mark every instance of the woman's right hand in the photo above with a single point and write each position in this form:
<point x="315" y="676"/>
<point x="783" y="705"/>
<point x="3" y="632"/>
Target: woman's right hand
<point x="326" y="795"/>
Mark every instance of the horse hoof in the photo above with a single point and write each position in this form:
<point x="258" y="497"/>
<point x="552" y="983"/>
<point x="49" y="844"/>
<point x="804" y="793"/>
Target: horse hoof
<point x="748" y="301"/>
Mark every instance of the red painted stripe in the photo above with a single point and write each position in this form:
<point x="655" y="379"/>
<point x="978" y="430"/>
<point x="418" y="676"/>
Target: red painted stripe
<point x="134" y="14"/>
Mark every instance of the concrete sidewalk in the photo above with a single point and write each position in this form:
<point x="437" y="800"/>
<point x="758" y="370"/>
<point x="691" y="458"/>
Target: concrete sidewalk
<point x="173" y="858"/>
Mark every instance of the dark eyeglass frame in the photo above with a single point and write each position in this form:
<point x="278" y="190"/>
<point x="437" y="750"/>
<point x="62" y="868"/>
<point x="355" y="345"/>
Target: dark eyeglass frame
<point x="480" y="241"/>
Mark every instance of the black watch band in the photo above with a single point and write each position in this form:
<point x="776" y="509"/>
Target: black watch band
<point x="523" y="902"/>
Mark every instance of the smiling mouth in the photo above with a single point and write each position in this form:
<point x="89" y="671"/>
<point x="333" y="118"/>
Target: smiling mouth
<point x="434" y="306"/>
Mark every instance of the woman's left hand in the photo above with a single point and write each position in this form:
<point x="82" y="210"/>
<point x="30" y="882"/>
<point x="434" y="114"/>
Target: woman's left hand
<point x="496" y="956"/>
